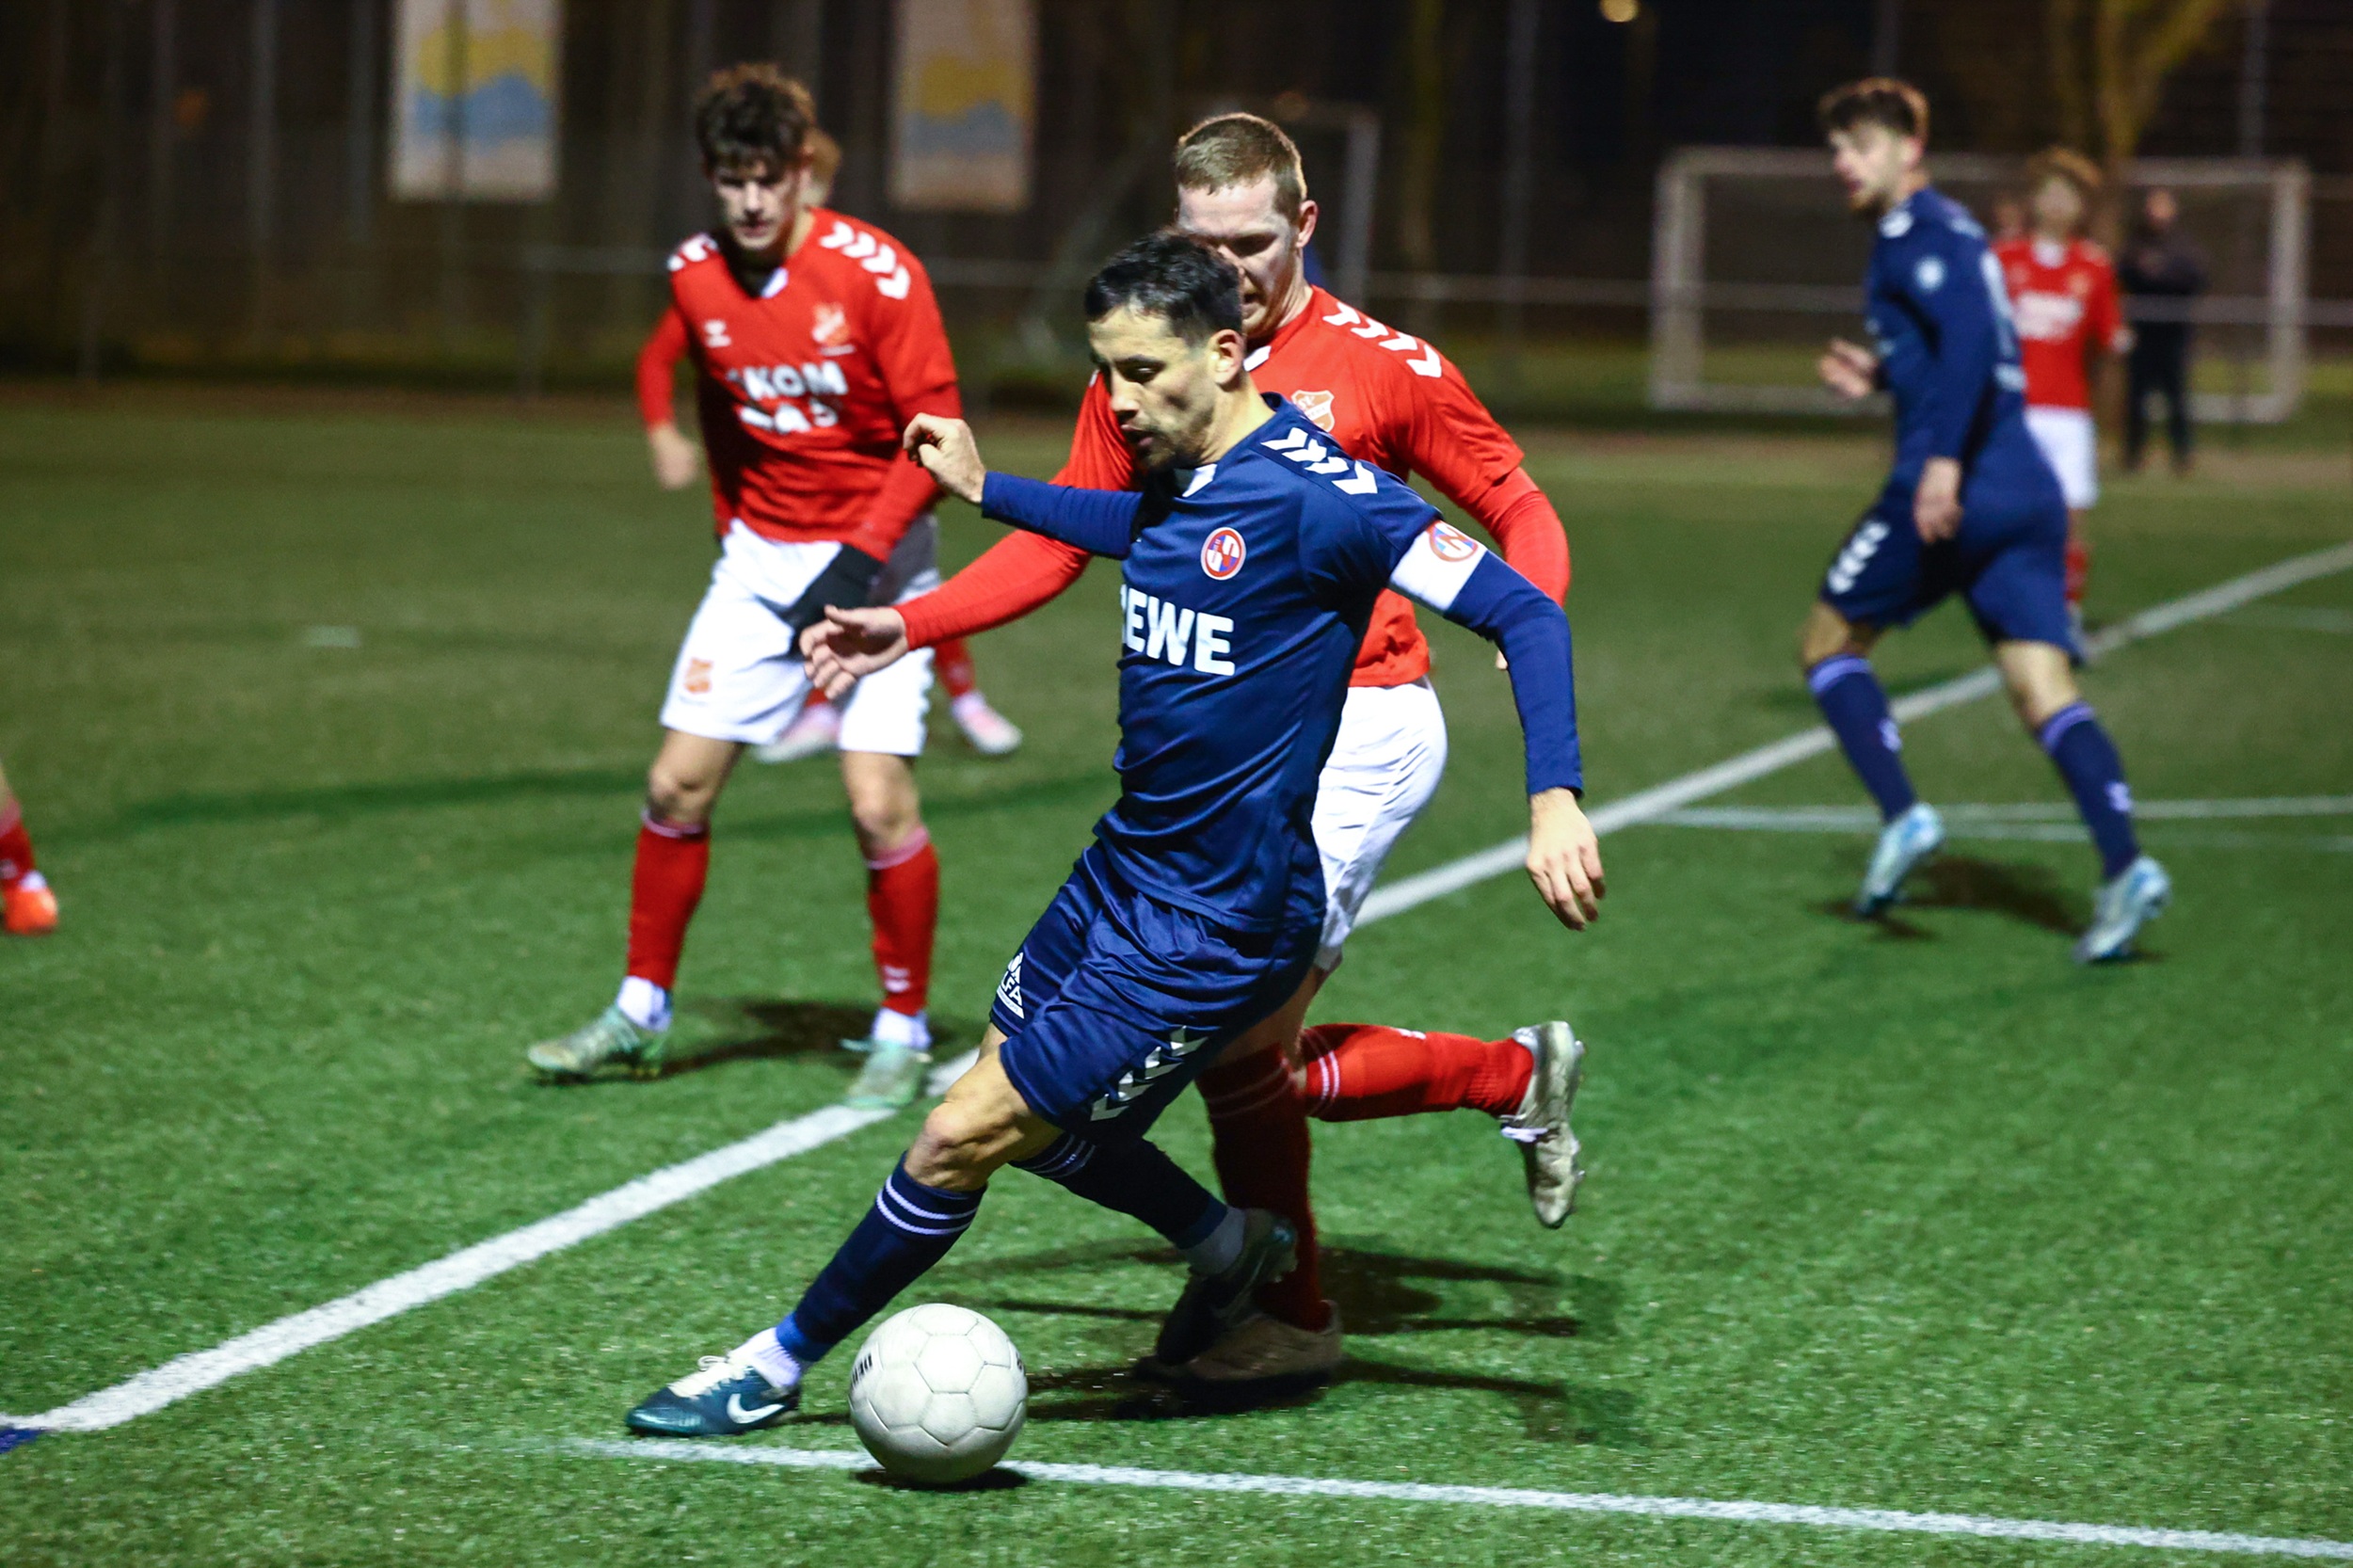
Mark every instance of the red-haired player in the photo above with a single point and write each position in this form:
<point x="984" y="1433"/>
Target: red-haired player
<point x="2062" y="291"/>
<point x="28" y="907"/>
<point x="817" y="726"/>
<point x="815" y="339"/>
<point x="1386" y="399"/>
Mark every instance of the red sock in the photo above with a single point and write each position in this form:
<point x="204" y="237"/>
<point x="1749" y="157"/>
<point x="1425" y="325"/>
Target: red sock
<point x="672" y="863"/>
<point x="2078" y="569"/>
<point x="1260" y="1126"/>
<point x="1363" y="1072"/>
<point x="903" y="900"/>
<point x="953" y="660"/>
<point x="16" y="845"/>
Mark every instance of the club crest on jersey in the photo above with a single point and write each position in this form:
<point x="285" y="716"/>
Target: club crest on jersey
<point x="1450" y="543"/>
<point x="1317" y="406"/>
<point x="830" y="326"/>
<point x="698" y="681"/>
<point x="1221" y="553"/>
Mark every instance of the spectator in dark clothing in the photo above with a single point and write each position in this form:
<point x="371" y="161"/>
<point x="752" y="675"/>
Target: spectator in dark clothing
<point x="2159" y="265"/>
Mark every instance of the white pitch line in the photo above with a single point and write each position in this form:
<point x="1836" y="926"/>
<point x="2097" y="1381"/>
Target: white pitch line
<point x="1734" y="1512"/>
<point x="177" y="1378"/>
<point x="1411" y="892"/>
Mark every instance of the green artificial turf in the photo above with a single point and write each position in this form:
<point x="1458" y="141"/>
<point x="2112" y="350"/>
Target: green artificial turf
<point x="1915" y="1216"/>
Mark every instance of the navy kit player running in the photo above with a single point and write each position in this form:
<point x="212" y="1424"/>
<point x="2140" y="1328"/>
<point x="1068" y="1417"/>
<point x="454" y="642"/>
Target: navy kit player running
<point x="1971" y="507"/>
<point x="1251" y="561"/>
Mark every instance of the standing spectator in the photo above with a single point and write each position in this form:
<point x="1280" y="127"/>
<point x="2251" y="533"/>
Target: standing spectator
<point x="2160" y="263"/>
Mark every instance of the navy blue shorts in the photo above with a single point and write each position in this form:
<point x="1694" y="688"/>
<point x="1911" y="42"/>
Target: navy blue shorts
<point x="1116" y="1002"/>
<point x="2011" y="569"/>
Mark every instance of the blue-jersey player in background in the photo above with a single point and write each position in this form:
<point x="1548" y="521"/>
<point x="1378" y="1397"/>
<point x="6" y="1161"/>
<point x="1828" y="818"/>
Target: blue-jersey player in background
<point x="1971" y="507"/>
<point x="1250" y="562"/>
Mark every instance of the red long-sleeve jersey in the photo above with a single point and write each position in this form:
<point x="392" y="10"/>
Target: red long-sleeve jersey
<point x="1386" y="399"/>
<point x="2063" y="298"/>
<point x="803" y="389"/>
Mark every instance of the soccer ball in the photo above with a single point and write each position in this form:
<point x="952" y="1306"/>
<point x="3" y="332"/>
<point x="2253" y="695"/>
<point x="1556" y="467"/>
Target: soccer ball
<point x="937" y="1393"/>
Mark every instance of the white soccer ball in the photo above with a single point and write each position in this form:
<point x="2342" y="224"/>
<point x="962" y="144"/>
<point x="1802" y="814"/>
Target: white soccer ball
<point x="937" y="1393"/>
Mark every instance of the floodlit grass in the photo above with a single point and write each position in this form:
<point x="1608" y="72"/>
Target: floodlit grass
<point x="1916" y="1216"/>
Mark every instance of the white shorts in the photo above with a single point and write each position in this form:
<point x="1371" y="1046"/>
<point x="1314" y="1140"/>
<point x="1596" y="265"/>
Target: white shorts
<point x="738" y="677"/>
<point x="1385" y="766"/>
<point x="2068" y="441"/>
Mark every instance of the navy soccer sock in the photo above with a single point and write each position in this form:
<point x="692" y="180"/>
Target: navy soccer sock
<point x="1134" y="1177"/>
<point x="910" y="1227"/>
<point x="1848" y="695"/>
<point x="2086" y="758"/>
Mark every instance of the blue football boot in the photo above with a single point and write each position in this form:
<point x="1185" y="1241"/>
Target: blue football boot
<point x="725" y="1398"/>
<point x="2130" y="900"/>
<point x="1903" y="844"/>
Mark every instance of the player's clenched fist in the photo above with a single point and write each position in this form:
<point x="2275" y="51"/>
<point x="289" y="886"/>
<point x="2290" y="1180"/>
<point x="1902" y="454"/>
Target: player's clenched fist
<point x="946" y="448"/>
<point x="1564" y="857"/>
<point x="849" y="645"/>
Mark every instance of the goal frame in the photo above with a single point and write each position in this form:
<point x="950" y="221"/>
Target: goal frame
<point x="1681" y="293"/>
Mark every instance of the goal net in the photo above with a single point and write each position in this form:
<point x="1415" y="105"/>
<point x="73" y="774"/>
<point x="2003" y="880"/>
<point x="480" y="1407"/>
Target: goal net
<point x="1756" y="262"/>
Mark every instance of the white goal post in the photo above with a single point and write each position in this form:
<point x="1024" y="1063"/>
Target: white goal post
<point x="1755" y="262"/>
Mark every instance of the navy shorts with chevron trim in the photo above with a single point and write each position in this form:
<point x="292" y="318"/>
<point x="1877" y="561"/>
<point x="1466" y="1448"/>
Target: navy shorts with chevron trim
<point x="1116" y="1001"/>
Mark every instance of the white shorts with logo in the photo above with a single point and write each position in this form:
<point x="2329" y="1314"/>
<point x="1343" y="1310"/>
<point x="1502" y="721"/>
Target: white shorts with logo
<point x="1385" y="766"/>
<point x="739" y="677"/>
<point x="2073" y="448"/>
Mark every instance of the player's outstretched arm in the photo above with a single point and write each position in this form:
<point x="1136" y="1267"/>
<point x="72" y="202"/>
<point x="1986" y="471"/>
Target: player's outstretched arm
<point x="1454" y="576"/>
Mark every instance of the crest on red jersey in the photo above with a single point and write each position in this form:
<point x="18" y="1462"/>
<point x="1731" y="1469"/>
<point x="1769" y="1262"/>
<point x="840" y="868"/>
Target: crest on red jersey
<point x="1317" y="406"/>
<point x="829" y="325"/>
<point x="1221" y="553"/>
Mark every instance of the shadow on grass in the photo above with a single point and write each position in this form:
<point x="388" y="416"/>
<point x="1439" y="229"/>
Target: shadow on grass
<point x="1380" y="1295"/>
<point x="2030" y="894"/>
<point x="720" y="1030"/>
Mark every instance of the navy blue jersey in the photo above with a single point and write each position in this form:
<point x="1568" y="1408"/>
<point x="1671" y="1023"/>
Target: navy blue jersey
<point x="1949" y="352"/>
<point x="1246" y="589"/>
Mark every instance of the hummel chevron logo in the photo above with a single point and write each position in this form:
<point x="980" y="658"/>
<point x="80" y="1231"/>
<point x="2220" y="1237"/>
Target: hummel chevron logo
<point x="1160" y="1062"/>
<point x="1289" y="438"/>
<point x="1364" y="482"/>
<point x="742" y="1416"/>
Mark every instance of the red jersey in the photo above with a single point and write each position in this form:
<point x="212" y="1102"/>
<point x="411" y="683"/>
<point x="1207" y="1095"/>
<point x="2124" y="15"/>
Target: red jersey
<point x="1387" y="398"/>
<point x="804" y="388"/>
<point x="2064" y="299"/>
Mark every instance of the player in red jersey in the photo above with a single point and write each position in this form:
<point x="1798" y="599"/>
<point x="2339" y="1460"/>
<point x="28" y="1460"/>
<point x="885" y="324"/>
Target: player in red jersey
<point x="2062" y="291"/>
<point x="1390" y="399"/>
<point x="816" y="339"/>
<point x="28" y="907"/>
<point x="817" y="726"/>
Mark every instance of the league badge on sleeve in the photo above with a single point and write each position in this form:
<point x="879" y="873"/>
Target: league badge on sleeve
<point x="1450" y="543"/>
<point x="1221" y="553"/>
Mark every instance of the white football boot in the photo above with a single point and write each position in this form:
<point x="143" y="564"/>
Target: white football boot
<point x="1541" y="1126"/>
<point x="2130" y="900"/>
<point x="1903" y="844"/>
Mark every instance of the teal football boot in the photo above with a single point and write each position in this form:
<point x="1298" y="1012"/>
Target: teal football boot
<point x="575" y="1058"/>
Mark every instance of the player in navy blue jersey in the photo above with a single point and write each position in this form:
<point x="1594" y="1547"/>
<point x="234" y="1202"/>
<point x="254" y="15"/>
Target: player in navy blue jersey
<point x="1971" y="507"/>
<point x="1250" y="559"/>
